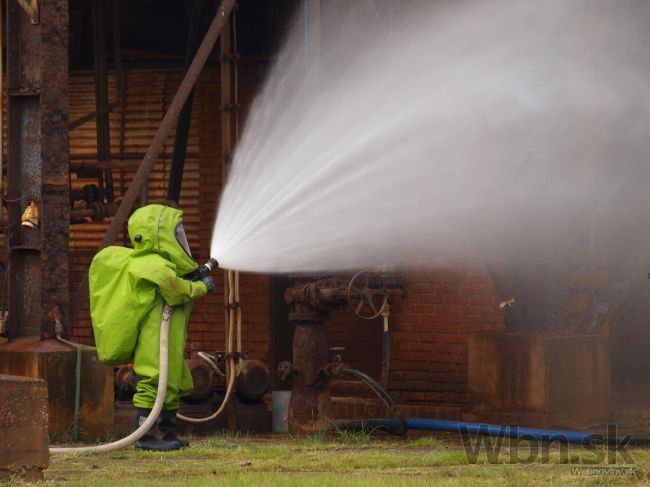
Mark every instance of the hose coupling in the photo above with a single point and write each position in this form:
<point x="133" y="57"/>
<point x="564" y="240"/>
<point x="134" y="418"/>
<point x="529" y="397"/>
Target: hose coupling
<point x="204" y="270"/>
<point x="208" y="267"/>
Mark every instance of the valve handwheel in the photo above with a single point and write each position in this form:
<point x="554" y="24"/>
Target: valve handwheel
<point x="367" y="295"/>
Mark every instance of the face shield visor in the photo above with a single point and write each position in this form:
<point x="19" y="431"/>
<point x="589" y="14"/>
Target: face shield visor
<point x="181" y="238"/>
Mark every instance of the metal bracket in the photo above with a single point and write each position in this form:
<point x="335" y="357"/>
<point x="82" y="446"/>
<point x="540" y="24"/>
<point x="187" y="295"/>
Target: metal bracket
<point x="31" y="7"/>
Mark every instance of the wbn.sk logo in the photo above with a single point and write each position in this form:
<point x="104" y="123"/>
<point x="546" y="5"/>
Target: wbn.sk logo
<point x="509" y="444"/>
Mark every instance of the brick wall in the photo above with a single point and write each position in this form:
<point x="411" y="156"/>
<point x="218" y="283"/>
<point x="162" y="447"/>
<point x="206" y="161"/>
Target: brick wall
<point x="429" y="330"/>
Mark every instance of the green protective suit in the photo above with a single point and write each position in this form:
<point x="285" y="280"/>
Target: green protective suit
<point x="128" y="291"/>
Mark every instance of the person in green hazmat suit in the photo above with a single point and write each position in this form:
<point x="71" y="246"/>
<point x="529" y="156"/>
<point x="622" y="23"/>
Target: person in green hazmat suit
<point x="128" y="291"/>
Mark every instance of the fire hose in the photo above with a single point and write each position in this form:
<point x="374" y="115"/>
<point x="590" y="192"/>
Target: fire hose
<point x="157" y="407"/>
<point x="234" y="314"/>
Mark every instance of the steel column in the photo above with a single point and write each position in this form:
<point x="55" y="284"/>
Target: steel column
<point x="37" y="146"/>
<point x="99" y="14"/>
<point x="185" y="117"/>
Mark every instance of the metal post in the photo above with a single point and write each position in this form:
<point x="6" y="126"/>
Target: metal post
<point x="2" y="18"/>
<point x="101" y="92"/>
<point x="185" y="117"/>
<point x="225" y="77"/>
<point x="38" y="167"/>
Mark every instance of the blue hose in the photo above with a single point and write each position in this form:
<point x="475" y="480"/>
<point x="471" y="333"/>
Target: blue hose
<point x="507" y="431"/>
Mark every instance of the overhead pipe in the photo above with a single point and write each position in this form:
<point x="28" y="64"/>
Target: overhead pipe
<point x="156" y="147"/>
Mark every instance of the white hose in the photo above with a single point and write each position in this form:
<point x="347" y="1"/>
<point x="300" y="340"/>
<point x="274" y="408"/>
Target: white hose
<point x="157" y="407"/>
<point x="211" y="362"/>
<point x="231" y="365"/>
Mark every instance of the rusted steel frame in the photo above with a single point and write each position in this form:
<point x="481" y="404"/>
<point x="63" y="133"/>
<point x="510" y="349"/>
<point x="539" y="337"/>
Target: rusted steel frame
<point x="129" y="200"/>
<point x="101" y="92"/>
<point x="128" y="164"/>
<point x="121" y="79"/>
<point x="185" y="117"/>
<point x="127" y="156"/>
<point x="38" y="170"/>
<point x="117" y="52"/>
<point x="93" y="115"/>
<point x="2" y="19"/>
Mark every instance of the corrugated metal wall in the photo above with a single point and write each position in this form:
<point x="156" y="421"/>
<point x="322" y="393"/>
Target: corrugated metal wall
<point x="148" y="94"/>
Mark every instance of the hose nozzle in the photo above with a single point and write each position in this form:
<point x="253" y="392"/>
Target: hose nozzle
<point x="208" y="267"/>
<point x="204" y="270"/>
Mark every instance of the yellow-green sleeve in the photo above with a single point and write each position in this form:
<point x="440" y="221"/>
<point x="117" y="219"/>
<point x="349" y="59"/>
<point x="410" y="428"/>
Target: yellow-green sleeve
<point x="173" y="289"/>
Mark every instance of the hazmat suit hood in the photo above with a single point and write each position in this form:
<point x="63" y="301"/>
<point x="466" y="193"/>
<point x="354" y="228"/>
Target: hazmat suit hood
<point x="159" y="229"/>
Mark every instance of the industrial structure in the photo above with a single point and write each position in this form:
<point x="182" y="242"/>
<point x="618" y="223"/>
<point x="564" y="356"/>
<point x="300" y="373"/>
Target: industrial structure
<point x="105" y="111"/>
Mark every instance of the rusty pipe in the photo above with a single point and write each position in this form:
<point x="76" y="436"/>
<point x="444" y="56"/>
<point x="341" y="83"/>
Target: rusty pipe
<point x="1" y="111"/>
<point x="158" y="142"/>
<point x="324" y="294"/>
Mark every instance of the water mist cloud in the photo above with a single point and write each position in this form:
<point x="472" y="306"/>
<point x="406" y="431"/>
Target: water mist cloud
<point x="413" y="136"/>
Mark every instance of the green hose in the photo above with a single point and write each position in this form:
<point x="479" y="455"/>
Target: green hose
<point x="77" y="398"/>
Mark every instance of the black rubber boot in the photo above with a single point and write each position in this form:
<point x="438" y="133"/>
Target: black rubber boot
<point x="167" y="424"/>
<point x="150" y="442"/>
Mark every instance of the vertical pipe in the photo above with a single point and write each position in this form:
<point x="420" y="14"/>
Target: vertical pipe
<point x="101" y="91"/>
<point x="2" y="103"/>
<point x="185" y="117"/>
<point x="225" y="74"/>
<point x="121" y="80"/>
<point x="385" y="349"/>
<point x="77" y="397"/>
<point x="37" y="91"/>
<point x="310" y="407"/>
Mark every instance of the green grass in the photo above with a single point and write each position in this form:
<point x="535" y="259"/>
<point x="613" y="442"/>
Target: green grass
<point x="427" y="441"/>
<point x="361" y="436"/>
<point x="338" y="459"/>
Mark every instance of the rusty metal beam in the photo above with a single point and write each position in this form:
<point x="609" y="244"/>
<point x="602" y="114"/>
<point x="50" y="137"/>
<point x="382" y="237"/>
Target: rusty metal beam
<point x="37" y="149"/>
<point x="185" y="117"/>
<point x="156" y="147"/>
<point x="93" y="115"/>
<point x="99" y="17"/>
